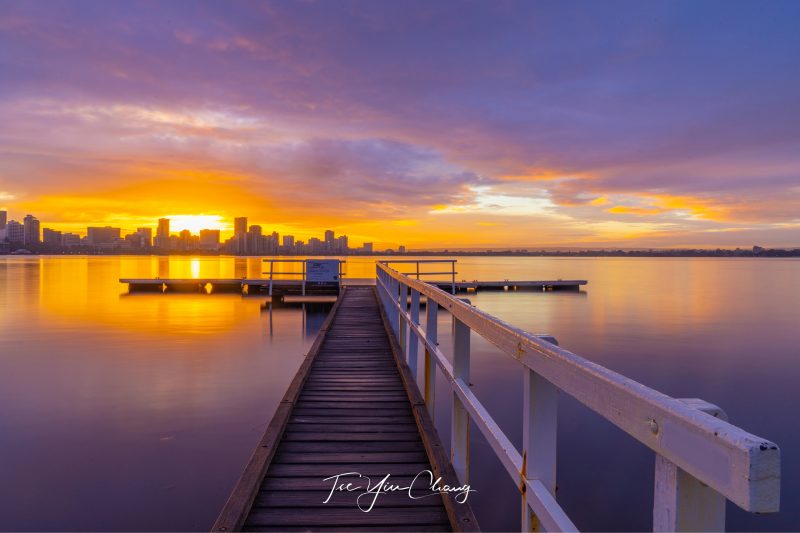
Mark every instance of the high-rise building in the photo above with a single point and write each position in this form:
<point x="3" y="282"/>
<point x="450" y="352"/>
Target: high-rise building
<point x="102" y="236"/>
<point x="162" y="234"/>
<point x="255" y="241"/>
<point x="401" y="250"/>
<point x="209" y="239"/>
<point x="185" y="240"/>
<point x="163" y="226"/>
<point x="3" y="219"/>
<point x="134" y="240"/>
<point x="240" y="234"/>
<point x="51" y="238"/>
<point x="329" y="241"/>
<point x="240" y="225"/>
<point x="161" y="240"/>
<point x="272" y="243"/>
<point x="367" y="247"/>
<point x="146" y="236"/>
<point x="32" y="233"/>
<point x="341" y="244"/>
<point x="288" y="241"/>
<point x="70" y="239"/>
<point x="15" y="232"/>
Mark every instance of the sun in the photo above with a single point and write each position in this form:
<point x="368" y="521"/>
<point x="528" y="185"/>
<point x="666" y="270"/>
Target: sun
<point x="194" y="223"/>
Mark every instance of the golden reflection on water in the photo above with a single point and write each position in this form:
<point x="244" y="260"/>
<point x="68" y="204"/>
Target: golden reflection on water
<point x="661" y="293"/>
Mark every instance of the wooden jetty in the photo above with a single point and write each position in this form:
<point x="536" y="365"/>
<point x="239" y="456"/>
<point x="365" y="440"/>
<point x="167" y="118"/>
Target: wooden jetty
<point x="259" y="286"/>
<point x="512" y="285"/>
<point x="352" y="407"/>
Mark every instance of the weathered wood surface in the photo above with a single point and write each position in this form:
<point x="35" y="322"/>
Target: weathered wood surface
<point x="350" y="412"/>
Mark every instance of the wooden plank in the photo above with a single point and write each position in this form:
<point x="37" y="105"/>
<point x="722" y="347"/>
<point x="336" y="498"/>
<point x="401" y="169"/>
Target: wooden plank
<point x="326" y="419"/>
<point x="343" y="437"/>
<point x="328" y="498"/>
<point x="371" y="446"/>
<point x="367" y="469"/>
<point x="407" y="528"/>
<point x="342" y="404"/>
<point x="352" y="428"/>
<point x="352" y="412"/>
<point x="316" y="483"/>
<point x="343" y="457"/>
<point x="346" y="517"/>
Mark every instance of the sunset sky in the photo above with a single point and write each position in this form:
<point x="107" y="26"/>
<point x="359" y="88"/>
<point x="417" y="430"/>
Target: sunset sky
<point x="430" y="124"/>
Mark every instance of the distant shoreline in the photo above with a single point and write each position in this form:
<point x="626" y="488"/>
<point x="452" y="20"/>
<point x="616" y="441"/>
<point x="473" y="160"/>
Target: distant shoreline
<point x="541" y="253"/>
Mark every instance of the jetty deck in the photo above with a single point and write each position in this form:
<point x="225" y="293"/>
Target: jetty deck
<point x="349" y="409"/>
<point x="299" y="287"/>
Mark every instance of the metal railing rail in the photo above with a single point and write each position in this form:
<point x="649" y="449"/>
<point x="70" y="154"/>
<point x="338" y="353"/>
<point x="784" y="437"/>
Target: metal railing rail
<point x="452" y="272"/>
<point x="701" y="459"/>
<point x="303" y="273"/>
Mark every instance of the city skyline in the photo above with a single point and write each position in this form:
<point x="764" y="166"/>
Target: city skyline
<point x="674" y="125"/>
<point x="247" y="239"/>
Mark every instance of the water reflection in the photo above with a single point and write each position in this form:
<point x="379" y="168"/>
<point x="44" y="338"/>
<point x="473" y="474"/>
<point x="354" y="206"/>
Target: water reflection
<point x="144" y="408"/>
<point x="313" y="314"/>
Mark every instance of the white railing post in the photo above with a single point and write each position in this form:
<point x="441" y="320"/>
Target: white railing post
<point x="681" y="502"/>
<point x="431" y="335"/>
<point x="402" y="301"/>
<point x="304" y="277"/>
<point x="539" y="424"/>
<point x="271" y="263"/>
<point x="459" y="436"/>
<point x="394" y="288"/>
<point x="413" y="341"/>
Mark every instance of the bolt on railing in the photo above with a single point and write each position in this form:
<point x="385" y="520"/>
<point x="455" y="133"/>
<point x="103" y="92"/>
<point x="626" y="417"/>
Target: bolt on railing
<point x="701" y="459"/>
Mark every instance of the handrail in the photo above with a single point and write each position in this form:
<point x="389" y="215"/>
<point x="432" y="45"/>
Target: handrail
<point x="452" y="272"/>
<point x="303" y="273"/>
<point x="701" y="459"/>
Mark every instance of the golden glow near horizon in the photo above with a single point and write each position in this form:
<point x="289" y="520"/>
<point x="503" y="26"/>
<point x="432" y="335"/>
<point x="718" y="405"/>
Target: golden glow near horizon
<point x="195" y="223"/>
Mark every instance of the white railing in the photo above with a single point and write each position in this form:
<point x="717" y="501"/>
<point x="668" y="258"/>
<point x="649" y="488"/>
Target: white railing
<point x="417" y="273"/>
<point x="302" y="273"/>
<point x="701" y="459"/>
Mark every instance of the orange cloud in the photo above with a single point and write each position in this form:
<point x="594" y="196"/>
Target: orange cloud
<point x="687" y="206"/>
<point x="631" y="210"/>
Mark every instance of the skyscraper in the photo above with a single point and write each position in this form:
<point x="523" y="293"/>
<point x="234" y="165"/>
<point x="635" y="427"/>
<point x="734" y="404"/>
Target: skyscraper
<point x="255" y="240"/>
<point x="330" y="241"/>
<point x="240" y="234"/>
<point x="32" y="232"/>
<point x="51" y="238"/>
<point x="146" y="236"/>
<point x="15" y="232"/>
<point x="209" y="239"/>
<point x="341" y="244"/>
<point x="3" y="219"/>
<point x="104" y="235"/>
<point x="240" y="225"/>
<point x="162" y="234"/>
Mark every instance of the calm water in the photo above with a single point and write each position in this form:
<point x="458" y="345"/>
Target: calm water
<point x="139" y="411"/>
